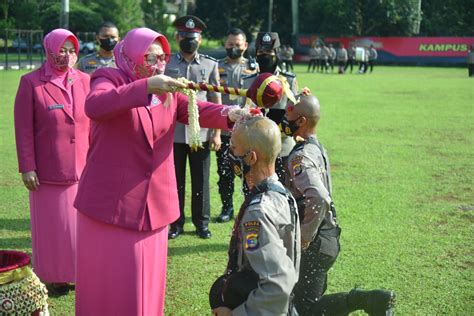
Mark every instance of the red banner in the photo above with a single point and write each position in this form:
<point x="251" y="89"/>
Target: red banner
<point x="401" y="48"/>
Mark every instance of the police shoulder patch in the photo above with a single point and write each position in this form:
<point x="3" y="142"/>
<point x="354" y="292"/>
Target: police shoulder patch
<point x="296" y="165"/>
<point x="252" y="231"/>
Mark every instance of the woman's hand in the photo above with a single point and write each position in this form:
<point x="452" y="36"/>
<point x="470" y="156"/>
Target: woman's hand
<point x="30" y="179"/>
<point x="160" y="84"/>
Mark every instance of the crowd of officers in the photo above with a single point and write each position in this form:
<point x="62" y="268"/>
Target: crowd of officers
<point x="323" y="58"/>
<point x="285" y="237"/>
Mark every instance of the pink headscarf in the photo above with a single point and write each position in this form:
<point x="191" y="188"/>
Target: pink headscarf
<point x="130" y="51"/>
<point x="53" y="42"/>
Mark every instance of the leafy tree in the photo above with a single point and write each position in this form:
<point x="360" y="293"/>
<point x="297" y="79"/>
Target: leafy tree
<point x="126" y="14"/>
<point x="220" y="16"/>
<point x="81" y="18"/>
<point x="447" y="18"/>
<point x="153" y="13"/>
<point x="359" y="17"/>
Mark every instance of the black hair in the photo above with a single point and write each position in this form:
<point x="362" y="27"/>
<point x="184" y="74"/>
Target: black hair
<point x="106" y="25"/>
<point x="236" y="31"/>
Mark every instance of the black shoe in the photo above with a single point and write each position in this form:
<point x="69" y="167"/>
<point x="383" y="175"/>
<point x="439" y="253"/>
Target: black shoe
<point x="174" y="232"/>
<point x="203" y="233"/>
<point x="226" y="215"/>
<point x="375" y="302"/>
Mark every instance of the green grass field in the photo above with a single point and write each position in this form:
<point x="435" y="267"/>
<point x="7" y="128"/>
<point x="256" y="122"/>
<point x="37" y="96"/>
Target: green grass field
<point x="401" y="147"/>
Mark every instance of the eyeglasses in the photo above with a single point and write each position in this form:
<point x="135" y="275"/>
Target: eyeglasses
<point x="152" y="59"/>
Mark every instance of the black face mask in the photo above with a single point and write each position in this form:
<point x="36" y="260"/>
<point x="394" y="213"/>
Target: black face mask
<point x="234" y="52"/>
<point x="288" y="127"/>
<point x="238" y="164"/>
<point x="267" y="63"/>
<point x="107" y="44"/>
<point x="188" y="45"/>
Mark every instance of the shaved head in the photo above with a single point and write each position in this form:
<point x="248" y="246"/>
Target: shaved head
<point x="261" y="135"/>
<point x="308" y="106"/>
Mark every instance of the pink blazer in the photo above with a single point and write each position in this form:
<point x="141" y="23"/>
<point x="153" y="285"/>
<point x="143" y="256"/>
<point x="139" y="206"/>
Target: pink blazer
<point x="52" y="134"/>
<point x="129" y="179"/>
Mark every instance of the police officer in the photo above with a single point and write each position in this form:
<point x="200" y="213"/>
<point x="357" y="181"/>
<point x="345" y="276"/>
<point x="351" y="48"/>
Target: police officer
<point x="325" y="56"/>
<point x="351" y="54"/>
<point x="341" y="58"/>
<point x="231" y="71"/>
<point x="309" y="180"/>
<point x="332" y="57"/>
<point x="266" y="45"/>
<point x="373" y="55"/>
<point x="313" y="54"/>
<point x="470" y="61"/>
<point x="264" y="249"/>
<point x="188" y="63"/>
<point x="364" y="64"/>
<point x="107" y="37"/>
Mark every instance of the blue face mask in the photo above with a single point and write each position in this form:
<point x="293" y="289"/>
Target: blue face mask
<point x="238" y="164"/>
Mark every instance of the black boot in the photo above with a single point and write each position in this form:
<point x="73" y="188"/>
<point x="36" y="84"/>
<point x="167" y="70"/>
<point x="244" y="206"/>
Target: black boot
<point x="226" y="215"/>
<point x="375" y="302"/>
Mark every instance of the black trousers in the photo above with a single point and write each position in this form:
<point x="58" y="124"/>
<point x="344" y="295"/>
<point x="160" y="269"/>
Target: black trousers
<point x="471" y="70"/>
<point x="226" y="174"/>
<point x="363" y="67"/>
<point x="350" y="62"/>
<point x="199" y="163"/>
<point x="371" y="65"/>
<point x="331" y="64"/>
<point x="342" y="66"/>
<point x="315" y="264"/>
<point x="312" y="64"/>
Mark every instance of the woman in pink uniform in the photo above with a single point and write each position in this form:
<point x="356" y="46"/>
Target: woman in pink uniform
<point x="52" y="140"/>
<point x="127" y="194"/>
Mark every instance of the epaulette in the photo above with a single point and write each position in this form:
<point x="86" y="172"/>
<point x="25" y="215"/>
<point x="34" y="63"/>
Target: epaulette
<point x="256" y="199"/>
<point x="208" y="57"/>
<point x="288" y="74"/>
<point x="250" y="76"/>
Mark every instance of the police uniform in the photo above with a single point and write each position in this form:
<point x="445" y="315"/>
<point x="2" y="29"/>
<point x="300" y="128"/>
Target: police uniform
<point x="325" y="56"/>
<point x="351" y="52"/>
<point x="470" y="61"/>
<point x="231" y="74"/>
<point x="312" y="58"/>
<point x="373" y="55"/>
<point x="319" y="58"/>
<point x="265" y="243"/>
<point x="204" y="69"/>
<point x="94" y="61"/>
<point x="342" y="59"/>
<point x="309" y="181"/>
<point x="332" y="57"/>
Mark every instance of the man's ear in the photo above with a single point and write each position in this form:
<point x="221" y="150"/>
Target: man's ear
<point x="252" y="157"/>
<point x="303" y="121"/>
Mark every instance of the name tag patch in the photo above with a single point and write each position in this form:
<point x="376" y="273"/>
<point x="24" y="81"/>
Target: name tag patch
<point x="56" y="106"/>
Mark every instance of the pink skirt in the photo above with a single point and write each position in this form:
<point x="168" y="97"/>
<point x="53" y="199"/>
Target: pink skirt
<point x="53" y="232"/>
<point x="120" y="271"/>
